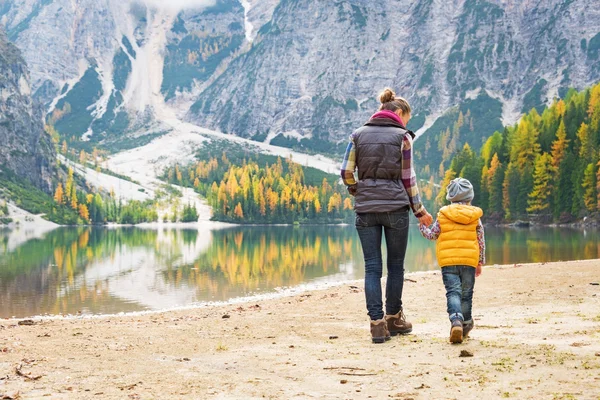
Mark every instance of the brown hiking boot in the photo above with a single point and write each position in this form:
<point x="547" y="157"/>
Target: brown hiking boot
<point x="456" y="331"/>
<point x="467" y="327"/>
<point x="397" y="324"/>
<point x="379" y="331"/>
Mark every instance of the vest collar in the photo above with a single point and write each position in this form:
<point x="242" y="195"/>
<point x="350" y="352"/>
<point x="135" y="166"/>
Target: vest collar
<point x="388" y="122"/>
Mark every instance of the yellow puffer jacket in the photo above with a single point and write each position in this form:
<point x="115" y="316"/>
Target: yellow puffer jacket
<point x="457" y="243"/>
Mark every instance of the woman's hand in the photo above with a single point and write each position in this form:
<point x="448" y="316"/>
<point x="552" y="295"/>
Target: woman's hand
<point x="426" y="219"/>
<point x="352" y="190"/>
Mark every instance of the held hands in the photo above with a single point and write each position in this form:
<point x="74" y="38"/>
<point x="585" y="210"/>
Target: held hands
<point x="426" y="219"/>
<point x="478" y="270"/>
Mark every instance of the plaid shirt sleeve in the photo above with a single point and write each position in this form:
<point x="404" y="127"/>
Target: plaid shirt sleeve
<point x="349" y="163"/>
<point x="481" y="241"/>
<point x="431" y="233"/>
<point x="409" y="178"/>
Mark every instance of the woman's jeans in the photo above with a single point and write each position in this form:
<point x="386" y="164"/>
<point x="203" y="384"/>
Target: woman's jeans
<point x="395" y="227"/>
<point x="459" y="281"/>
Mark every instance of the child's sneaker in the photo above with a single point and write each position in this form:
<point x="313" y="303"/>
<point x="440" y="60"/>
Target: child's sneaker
<point x="456" y="331"/>
<point x="397" y="324"/>
<point x="467" y="327"/>
<point x="379" y="331"/>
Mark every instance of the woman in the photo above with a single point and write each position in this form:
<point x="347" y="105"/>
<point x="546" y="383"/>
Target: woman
<point x="386" y="189"/>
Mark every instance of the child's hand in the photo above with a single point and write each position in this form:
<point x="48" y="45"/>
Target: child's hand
<point x="478" y="270"/>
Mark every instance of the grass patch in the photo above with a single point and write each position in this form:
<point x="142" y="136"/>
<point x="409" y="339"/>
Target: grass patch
<point x="31" y="199"/>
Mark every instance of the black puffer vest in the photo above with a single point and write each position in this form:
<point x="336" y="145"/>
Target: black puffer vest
<point x="379" y="163"/>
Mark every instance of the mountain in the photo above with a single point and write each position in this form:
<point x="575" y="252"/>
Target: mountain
<point x="25" y="149"/>
<point x="297" y="73"/>
<point x="315" y="70"/>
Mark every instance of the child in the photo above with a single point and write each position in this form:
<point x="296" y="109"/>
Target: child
<point x="460" y="251"/>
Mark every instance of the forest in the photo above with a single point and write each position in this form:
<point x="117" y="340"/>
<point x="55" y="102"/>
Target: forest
<point x="263" y="189"/>
<point x="545" y="168"/>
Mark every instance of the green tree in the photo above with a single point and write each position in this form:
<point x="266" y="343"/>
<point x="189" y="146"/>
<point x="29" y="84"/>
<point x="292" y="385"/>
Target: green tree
<point x="190" y="214"/>
<point x="539" y="198"/>
<point x="590" y="195"/>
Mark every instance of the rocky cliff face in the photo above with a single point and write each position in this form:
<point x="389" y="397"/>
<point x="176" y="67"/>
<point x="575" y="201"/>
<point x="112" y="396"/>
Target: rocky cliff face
<point x="316" y="70"/>
<point x="25" y="149"/>
<point x="295" y="69"/>
<point x="108" y="65"/>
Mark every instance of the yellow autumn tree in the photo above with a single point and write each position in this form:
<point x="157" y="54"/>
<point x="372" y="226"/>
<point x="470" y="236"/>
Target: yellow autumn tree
<point x="74" y="203"/>
<point x="69" y="184"/>
<point x="347" y="203"/>
<point x="238" y="212"/>
<point x="598" y="183"/>
<point x="441" y="197"/>
<point x="317" y="205"/>
<point x="95" y="157"/>
<point x="559" y="146"/>
<point x="84" y="212"/>
<point x="335" y="202"/>
<point x="594" y="108"/>
<point x="59" y="194"/>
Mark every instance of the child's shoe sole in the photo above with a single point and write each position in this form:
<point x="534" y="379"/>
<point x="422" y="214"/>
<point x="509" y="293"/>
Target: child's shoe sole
<point x="456" y="334"/>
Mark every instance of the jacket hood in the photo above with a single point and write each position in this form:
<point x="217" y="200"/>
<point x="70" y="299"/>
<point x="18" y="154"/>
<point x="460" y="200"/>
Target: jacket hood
<point x="462" y="213"/>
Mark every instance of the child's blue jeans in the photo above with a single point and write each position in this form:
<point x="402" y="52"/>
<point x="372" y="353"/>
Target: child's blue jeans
<point x="459" y="281"/>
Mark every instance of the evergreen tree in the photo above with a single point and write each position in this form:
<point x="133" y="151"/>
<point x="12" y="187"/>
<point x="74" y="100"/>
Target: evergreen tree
<point x="539" y="198"/>
<point x="510" y="191"/>
<point x="590" y="195"/>
<point x="526" y="183"/>
<point x="190" y="214"/>
<point x="563" y="185"/>
<point x="545" y="164"/>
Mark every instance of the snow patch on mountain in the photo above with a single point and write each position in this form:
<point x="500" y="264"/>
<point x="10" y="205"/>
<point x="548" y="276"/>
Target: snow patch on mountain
<point x="247" y="24"/>
<point x="511" y="108"/>
<point x="177" y="5"/>
<point x="145" y="80"/>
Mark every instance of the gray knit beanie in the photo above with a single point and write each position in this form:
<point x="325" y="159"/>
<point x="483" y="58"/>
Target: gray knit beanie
<point x="459" y="189"/>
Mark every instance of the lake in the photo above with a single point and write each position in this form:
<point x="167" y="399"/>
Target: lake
<point x="110" y="270"/>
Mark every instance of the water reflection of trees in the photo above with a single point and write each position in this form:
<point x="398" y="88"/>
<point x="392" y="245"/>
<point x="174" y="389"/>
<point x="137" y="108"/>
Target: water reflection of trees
<point x="246" y="259"/>
<point x="49" y="274"/>
<point x="543" y="244"/>
<point x="39" y="276"/>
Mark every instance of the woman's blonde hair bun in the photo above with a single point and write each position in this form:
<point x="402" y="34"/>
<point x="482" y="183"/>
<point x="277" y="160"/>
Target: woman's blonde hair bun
<point x="386" y="96"/>
<point x="390" y="102"/>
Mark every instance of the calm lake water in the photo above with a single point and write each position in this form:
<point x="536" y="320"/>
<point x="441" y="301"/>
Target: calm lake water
<point x="111" y="270"/>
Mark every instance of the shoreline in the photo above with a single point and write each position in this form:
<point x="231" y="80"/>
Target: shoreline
<point x="537" y="335"/>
